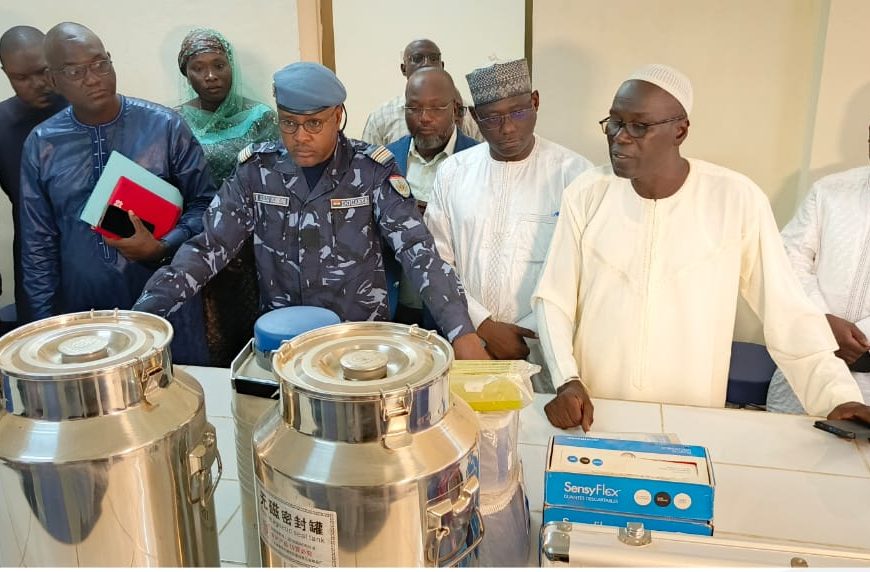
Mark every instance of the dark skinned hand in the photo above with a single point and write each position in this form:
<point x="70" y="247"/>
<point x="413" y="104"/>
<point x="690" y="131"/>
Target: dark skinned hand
<point x="571" y="407"/>
<point x="505" y="341"/>
<point x="469" y="346"/>
<point x="851" y="410"/>
<point x="851" y="340"/>
<point x="142" y="246"/>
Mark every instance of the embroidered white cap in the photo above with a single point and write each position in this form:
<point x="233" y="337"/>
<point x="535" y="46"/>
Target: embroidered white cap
<point x="669" y="79"/>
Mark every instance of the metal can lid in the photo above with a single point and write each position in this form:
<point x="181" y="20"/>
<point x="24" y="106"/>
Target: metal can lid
<point x="362" y="359"/>
<point x="79" y="345"/>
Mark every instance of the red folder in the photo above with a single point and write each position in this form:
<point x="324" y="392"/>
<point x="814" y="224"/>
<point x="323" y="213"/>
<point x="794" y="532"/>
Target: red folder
<point x="157" y="214"/>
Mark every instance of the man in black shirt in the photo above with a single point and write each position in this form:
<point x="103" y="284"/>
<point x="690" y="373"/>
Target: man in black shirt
<point x="23" y="61"/>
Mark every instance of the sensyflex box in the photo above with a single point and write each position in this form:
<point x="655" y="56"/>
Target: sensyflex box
<point x="630" y="477"/>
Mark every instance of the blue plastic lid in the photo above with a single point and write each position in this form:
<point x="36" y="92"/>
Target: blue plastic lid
<point x="277" y="326"/>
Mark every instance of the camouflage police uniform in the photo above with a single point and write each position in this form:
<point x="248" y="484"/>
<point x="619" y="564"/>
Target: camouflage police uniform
<point x="316" y="247"/>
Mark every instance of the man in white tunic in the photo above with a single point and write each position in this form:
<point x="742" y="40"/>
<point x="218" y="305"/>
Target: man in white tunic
<point x="638" y="295"/>
<point x="828" y="244"/>
<point x="494" y="207"/>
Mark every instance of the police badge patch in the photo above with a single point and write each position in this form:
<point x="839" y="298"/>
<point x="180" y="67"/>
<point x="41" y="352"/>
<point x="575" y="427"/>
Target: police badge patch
<point x="402" y="187"/>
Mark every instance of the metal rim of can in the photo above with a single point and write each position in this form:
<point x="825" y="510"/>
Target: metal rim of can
<point x="82" y="345"/>
<point x="312" y="362"/>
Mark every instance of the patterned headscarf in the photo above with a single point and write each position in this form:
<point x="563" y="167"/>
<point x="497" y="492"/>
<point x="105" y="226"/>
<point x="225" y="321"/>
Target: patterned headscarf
<point x="199" y="41"/>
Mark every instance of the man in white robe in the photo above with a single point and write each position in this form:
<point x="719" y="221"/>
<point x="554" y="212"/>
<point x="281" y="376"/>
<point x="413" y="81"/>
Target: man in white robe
<point x="828" y="244"/>
<point x="637" y="299"/>
<point x="494" y="207"/>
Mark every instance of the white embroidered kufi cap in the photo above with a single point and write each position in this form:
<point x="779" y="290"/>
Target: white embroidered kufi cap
<point x="670" y="80"/>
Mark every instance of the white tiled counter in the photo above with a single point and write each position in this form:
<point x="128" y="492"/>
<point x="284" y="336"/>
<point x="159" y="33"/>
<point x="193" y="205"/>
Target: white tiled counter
<point x="777" y="478"/>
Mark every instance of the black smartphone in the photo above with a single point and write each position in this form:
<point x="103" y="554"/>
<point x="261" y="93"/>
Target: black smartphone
<point x="844" y="428"/>
<point x="117" y="221"/>
<point x="862" y="364"/>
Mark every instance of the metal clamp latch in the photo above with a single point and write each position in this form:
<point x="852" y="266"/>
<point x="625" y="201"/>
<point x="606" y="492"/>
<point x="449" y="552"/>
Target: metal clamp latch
<point x="439" y="517"/>
<point x="150" y="374"/>
<point x="395" y="413"/>
<point x="421" y="333"/>
<point x="634" y="534"/>
<point x="199" y="461"/>
<point x="396" y="405"/>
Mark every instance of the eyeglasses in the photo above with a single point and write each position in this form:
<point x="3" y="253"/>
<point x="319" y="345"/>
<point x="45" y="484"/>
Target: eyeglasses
<point x="418" y="59"/>
<point x="419" y="111"/>
<point x="78" y="73"/>
<point x="636" y="130"/>
<point x="313" y="125"/>
<point x="496" y="121"/>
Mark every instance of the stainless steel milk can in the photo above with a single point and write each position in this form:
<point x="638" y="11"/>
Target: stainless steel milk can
<point x="368" y="461"/>
<point x="106" y="457"/>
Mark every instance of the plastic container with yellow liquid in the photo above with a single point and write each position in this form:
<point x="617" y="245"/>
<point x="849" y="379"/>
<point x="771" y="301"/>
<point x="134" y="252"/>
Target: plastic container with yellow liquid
<point x="492" y="385"/>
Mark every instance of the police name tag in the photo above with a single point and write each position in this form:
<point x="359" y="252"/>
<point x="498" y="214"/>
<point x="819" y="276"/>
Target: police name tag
<point x="276" y="200"/>
<point x="351" y="203"/>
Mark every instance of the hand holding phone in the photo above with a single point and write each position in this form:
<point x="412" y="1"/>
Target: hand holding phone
<point x="141" y="246"/>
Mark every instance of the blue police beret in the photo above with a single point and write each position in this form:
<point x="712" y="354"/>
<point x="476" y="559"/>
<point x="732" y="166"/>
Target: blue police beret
<point x="307" y="87"/>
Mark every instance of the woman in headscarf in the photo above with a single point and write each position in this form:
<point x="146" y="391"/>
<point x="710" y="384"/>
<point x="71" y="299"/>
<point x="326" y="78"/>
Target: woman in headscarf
<point x="224" y="122"/>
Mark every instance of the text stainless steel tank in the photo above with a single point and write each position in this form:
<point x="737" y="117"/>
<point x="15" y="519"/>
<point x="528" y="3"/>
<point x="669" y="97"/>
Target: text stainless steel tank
<point x="368" y="461"/>
<point x="105" y="453"/>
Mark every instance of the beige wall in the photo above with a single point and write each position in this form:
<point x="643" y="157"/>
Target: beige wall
<point x="839" y="138"/>
<point x="370" y="36"/>
<point x="144" y="37"/>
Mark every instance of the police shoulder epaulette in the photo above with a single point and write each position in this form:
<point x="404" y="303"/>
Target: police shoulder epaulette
<point x="380" y="154"/>
<point x="255" y="148"/>
<point x="246" y="153"/>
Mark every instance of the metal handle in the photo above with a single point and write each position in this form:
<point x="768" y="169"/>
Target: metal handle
<point x="200" y="461"/>
<point x="440" y="519"/>
<point x="442" y="532"/>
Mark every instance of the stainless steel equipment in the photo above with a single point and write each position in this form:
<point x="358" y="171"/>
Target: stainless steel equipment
<point x="369" y="461"/>
<point x="255" y="391"/>
<point x="565" y="544"/>
<point x="105" y="453"/>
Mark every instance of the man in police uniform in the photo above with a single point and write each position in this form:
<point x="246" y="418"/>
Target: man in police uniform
<point x="318" y="205"/>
